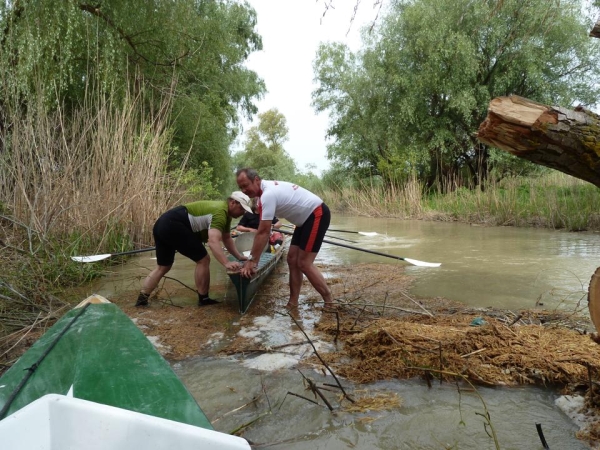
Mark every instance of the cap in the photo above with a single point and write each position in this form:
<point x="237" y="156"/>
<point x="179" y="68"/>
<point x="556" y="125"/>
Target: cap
<point x="242" y="199"/>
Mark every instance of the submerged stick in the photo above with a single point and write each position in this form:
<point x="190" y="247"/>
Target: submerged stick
<point x="538" y="427"/>
<point x="321" y="359"/>
<point x="315" y="390"/>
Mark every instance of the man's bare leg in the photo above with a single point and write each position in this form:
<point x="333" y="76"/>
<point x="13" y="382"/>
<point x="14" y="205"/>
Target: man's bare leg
<point x="302" y="263"/>
<point x="296" y="276"/>
<point x="202" y="275"/>
<point x="150" y="283"/>
<point x="202" y="280"/>
<point x="306" y="265"/>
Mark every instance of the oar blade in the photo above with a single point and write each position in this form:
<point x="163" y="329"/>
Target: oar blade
<point x="416" y="262"/>
<point x="368" y="233"/>
<point x="91" y="258"/>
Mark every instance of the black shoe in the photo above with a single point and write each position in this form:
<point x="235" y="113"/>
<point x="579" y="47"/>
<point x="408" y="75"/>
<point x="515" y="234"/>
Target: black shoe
<point x="207" y="301"/>
<point x="142" y="299"/>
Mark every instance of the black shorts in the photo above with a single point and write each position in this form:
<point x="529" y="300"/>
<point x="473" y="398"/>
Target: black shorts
<point x="310" y="235"/>
<point x="173" y="233"/>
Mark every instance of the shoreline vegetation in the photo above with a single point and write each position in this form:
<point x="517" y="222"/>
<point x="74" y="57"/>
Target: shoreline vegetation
<point x="550" y="200"/>
<point x="93" y="178"/>
<point x="113" y="211"/>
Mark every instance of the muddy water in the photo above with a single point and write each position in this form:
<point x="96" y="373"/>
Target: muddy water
<point x="436" y="418"/>
<point x="501" y="267"/>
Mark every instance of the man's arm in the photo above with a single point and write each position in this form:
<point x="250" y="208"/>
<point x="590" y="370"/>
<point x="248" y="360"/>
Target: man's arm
<point x="214" y="242"/>
<point x="260" y="241"/>
<point x="245" y="229"/>
<point x="231" y="248"/>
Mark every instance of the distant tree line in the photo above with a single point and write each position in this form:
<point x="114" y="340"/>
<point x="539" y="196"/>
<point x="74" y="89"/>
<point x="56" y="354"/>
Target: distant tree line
<point x="410" y="102"/>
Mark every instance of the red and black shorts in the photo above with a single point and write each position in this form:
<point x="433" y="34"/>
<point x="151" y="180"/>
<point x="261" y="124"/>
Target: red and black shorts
<point x="310" y="235"/>
<point x="173" y="233"/>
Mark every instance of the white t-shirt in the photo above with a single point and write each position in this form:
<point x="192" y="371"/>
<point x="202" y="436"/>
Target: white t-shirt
<point x="286" y="200"/>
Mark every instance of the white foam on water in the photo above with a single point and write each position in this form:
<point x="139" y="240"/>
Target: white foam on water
<point x="249" y="333"/>
<point x="215" y="338"/>
<point x="271" y="362"/>
<point x="155" y="340"/>
<point x="573" y="406"/>
<point x="274" y="334"/>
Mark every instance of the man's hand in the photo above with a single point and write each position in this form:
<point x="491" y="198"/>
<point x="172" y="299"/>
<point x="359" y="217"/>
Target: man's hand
<point x="233" y="266"/>
<point x="248" y="269"/>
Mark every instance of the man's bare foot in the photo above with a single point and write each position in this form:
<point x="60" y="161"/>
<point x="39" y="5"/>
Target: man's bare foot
<point x="291" y="306"/>
<point x="331" y="306"/>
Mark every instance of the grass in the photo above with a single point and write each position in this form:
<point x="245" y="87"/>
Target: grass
<point x="553" y="200"/>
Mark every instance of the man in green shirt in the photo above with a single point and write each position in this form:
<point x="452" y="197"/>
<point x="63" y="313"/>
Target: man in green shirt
<point x="185" y="229"/>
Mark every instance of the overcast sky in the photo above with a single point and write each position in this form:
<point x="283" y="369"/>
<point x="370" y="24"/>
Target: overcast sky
<point x="291" y="31"/>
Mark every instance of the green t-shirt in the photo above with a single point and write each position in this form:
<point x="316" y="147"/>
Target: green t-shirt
<point x="205" y="215"/>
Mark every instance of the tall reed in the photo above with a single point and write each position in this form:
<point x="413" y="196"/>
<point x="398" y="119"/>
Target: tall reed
<point x="95" y="174"/>
<point x="552" y="200"/>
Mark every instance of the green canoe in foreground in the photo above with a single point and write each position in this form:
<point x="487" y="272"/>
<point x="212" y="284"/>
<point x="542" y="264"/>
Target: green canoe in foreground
<point x="95" y="353"/>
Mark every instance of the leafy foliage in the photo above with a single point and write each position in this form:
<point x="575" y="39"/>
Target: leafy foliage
<point x="264" y="148"/>
<point x="412" y="100"/>
<point x="194" y="50"/>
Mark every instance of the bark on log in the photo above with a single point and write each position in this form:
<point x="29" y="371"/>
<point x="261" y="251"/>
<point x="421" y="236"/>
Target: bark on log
<point x="559" y="138"/>
<point x="594" y="302"/>
<point x="596" y="30"/>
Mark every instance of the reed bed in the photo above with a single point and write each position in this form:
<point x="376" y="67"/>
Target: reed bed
<point x="552" y="200"/>
<point x="100" y="175"/>
<point x="91" y="179"/>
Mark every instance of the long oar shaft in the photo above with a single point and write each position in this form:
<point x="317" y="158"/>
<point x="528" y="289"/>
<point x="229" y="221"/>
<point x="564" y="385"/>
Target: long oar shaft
<point x="333" y="237"/>
<point x="95" y="258"/>
<point x="341" y="239"/>
<point x="373" y="252"/>
<point x="131" y="252"/>
<point x="366" y="233"/>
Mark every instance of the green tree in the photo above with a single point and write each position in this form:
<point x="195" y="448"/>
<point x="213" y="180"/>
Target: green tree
<point x="263" y="149"/>
<point x="413" y="99"/>
<point x="193" y="50"/>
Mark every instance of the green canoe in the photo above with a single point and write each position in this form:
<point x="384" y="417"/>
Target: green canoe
<point x="246" y="288"/>
<point x="104" y="386"/>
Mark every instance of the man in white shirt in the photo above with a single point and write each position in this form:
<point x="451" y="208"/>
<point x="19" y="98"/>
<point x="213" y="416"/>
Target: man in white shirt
<point x="300" y="207"/>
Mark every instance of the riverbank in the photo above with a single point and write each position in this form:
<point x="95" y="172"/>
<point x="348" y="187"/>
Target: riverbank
<point x="382" y="333"/>
<point x="550" y="200"/>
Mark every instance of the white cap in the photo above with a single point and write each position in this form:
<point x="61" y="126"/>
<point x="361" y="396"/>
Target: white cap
<point x="242" y="199"/>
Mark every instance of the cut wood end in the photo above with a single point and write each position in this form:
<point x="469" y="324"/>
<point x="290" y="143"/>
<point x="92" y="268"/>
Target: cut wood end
<point x="517" y="110"/>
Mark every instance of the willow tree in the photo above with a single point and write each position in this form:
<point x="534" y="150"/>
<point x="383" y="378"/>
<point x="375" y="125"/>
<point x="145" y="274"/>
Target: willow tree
<point x="413" y="98"/>
<point x="51" y="52"/>
<point x="264" y="148"/>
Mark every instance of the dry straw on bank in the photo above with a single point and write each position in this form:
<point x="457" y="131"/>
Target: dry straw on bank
<point x="495" y="353"/>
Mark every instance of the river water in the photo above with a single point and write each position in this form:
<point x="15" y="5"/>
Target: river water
<point x="480" y="266"/>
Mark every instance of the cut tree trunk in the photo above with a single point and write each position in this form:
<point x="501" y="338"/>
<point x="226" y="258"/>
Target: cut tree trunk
<point x="559" y="138"/>
<point x="565" y="140"/>
<point x="594" y="301"/>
